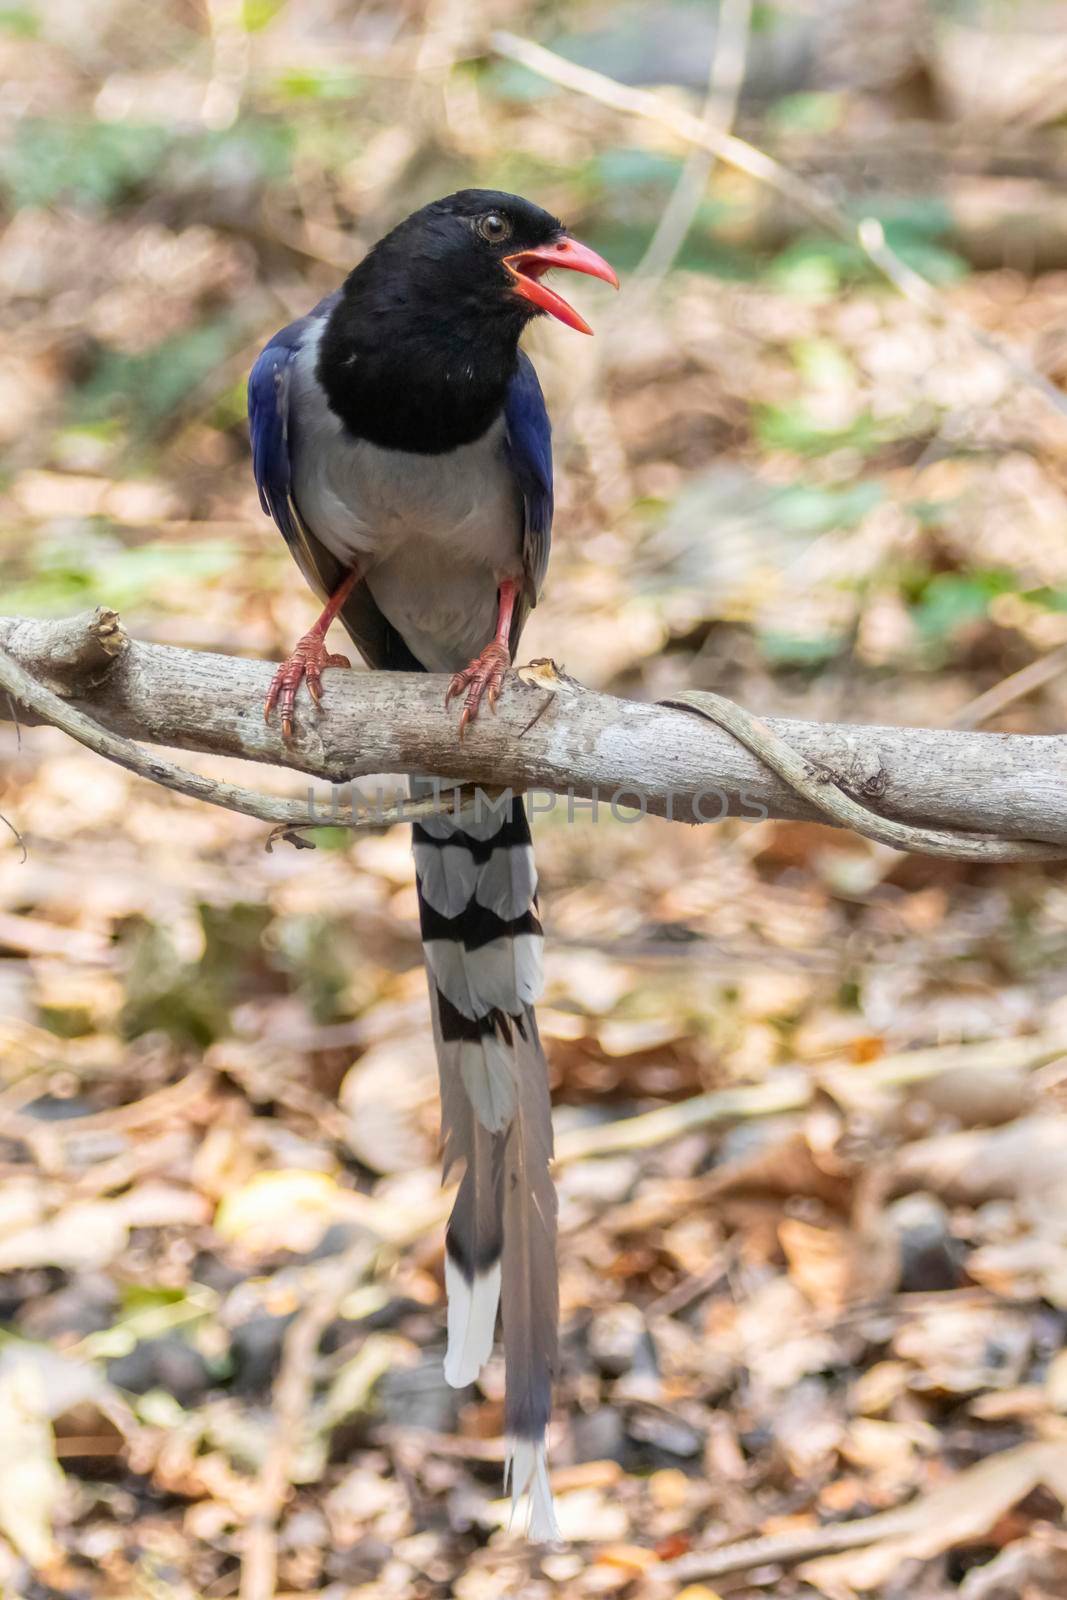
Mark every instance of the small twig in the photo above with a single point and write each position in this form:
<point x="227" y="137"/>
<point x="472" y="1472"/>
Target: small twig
<point x="126" y="753"/>
<point x="289" y="816"/>
<point x="16" y="835"/>
<point x="821" y="789"/>
<point x="293" y="1390"/>
<point x="13" y="716"/>
<point x="991" y="1486"/>
<point x="786" y="1092"/>
<point x="868" y="234"/>
<point x="795" y="1090"/>
<point x="665" y="761"/>
<point x="174" y="1104"/>
<point x="1014" y="687"/>
<point x="785" y="1549"/>
<point x="726" y="74"/>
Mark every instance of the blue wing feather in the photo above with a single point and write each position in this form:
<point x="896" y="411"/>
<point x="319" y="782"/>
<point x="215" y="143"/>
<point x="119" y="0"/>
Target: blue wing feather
<point x="528" y="442"/>
<point x="270" y="423"/>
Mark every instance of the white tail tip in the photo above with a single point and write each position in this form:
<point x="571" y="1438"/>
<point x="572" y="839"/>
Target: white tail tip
<point x="527" y="1469"/>
<point x="471" y="1322"/>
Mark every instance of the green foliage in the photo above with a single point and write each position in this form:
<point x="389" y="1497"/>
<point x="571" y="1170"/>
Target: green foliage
<point x="804" y="508"/>
<point x="87" y="565"/>
<point x="629" y="185"/>
<point x="624" y="245"/>
<point x="191" y="1000"/>
<point x="100" y="164"/>
<point x="256" y="14"/>
<point x="21" y="22"/>
<point x="914" y="226"/>
<point x="1048" y="599"/>
<point x="818" y="112"/>
<point x="95" y="163"/>
<point x="764" y="17"/>
<point x="149" y="1311"/>
<point x="256" y="148"/>
<point x="627" y="168"/>
<point x="792" y="428"/>
<point x="798" y="650"/>
<point x="319" y="83"/>
<point x="505" y="80"/>
<point x="143" y="390"/>
<point x="952" y="599"/>
<point x="320" y="959"/>
<point x="814" y="266"/>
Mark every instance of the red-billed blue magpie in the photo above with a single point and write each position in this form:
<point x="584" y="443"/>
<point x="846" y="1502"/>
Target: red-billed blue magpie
<point x="401" y="443"/>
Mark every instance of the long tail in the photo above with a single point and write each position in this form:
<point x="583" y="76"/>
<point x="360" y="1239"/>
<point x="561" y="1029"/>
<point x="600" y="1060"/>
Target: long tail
<point x="482" y="941"/>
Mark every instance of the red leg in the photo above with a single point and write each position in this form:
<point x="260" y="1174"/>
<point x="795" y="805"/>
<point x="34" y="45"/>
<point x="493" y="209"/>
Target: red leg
<point x="485" y="675"/>
<point x="307" y="661"/>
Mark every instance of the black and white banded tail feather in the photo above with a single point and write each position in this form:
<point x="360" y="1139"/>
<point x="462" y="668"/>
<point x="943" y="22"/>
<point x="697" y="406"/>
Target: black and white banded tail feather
<point x="477" y="887"/>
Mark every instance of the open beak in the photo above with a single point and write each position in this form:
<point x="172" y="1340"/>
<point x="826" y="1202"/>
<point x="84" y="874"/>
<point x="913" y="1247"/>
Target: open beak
<point x="527" y="267"/>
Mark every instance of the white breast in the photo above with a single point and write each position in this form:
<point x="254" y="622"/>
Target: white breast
<point x="433" y="534"/>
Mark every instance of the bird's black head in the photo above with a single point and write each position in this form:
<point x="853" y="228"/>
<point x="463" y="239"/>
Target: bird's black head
<point x="420" y="350"/>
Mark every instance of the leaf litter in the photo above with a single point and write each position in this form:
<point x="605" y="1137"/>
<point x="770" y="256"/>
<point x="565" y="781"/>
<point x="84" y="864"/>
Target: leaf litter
<point x="812" y="1345"/>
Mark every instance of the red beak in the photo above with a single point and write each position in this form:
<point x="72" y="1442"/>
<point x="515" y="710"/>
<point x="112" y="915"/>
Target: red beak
<point x="527" y="267"/>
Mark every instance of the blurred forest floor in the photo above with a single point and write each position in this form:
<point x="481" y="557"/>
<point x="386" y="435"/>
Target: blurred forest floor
<point x="218" y="1113"/>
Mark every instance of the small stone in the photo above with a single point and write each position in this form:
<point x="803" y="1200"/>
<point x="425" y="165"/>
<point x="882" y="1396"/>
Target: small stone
<point x="358" y="1563"/>
<point x="419" y="1397"/>
<point x="88" y="1305"/>
<point x="665" y="1433"/>
<point x="599" y="1436"/>
<point x="616" y="1337"/>
<point x="256" y="1351"/>
<point x="170" y="1363"/>
<point x="930" y="1258"/>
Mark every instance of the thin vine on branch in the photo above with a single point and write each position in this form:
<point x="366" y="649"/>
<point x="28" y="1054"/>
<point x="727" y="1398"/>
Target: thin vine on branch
<point x="972" y="796"/>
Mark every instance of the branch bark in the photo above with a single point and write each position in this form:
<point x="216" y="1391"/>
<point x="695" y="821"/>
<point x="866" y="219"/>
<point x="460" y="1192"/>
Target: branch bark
<point x="550" y="735"/>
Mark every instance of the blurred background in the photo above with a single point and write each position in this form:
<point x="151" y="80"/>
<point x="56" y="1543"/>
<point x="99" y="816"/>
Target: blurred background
<point x="777" y="478"/>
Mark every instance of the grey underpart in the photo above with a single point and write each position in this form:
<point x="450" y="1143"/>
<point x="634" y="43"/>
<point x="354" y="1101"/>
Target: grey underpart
<point x="433" y="535"/>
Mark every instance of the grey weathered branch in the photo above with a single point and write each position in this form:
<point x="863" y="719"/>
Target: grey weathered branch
<point x="550" y="735"/>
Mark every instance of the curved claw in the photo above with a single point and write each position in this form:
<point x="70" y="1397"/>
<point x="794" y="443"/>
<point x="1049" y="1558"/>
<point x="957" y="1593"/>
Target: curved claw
<point x="306" y="664"/>
<point x="484" y="678"/>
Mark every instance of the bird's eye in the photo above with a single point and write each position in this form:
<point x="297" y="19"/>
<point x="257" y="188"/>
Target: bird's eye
<point x="494" y="227"/>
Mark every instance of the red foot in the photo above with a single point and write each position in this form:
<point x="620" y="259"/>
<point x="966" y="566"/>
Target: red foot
<point x="484" y="676"/>
<point x="307" y="662"/>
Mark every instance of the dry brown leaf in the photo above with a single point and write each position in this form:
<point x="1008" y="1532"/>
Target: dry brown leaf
<point x="961" y="1511"/>
<point x="386" y="1096"/>
<point x="31" y="1481"/>
<point x="875" y="1390"/>
<point x="633" y="1559"/>
<point x="1034" y="1568"/>
<point x="1056" y="1382"/>
<point x="961" y="1349"/>
<point x="836" y="1265"/>
<point x="91" y="1233"/>
<point x="1031" y="1267"/>
<point x="1028" y="1157"/>
<point x="669" y="1489"/>
<point x="776" y="1337"/>
<point x="283" y="1210"/>
<point x="888" y="1450"/>
<point x="784" y="1166"/>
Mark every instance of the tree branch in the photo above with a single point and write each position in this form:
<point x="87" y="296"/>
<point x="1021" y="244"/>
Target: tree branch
<point x="550" y="736"/>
